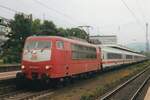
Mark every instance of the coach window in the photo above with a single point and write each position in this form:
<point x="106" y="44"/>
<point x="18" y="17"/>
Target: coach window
<point x="60" y="44"/>
<point x="114" y="56"/>
<point x="128" y="56"/>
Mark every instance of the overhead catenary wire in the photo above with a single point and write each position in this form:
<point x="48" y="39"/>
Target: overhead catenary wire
<point x="10" y="9"/>
<point x="133" y="14"/>
<point x="141" y="11"/>
<point x="146" y="23"/>
<point x="144" y="17"/>
<point x="13" y="10"/>
<point x="72" y="20"/>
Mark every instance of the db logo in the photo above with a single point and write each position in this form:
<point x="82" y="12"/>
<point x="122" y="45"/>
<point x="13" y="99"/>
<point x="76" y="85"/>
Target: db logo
<point x="34" y="56"/>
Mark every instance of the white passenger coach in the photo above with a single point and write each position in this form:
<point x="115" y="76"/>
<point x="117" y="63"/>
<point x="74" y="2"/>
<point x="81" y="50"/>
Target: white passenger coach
<point x="115" y="55"/>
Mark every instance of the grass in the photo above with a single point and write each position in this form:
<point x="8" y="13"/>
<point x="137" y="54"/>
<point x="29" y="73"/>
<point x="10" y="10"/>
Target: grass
<point x="113" y="81"/>
<point x="1" y="61"/>
<point x="5" y="64"/>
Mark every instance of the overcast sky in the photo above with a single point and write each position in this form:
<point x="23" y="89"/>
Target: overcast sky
<point x="107" y="17"/>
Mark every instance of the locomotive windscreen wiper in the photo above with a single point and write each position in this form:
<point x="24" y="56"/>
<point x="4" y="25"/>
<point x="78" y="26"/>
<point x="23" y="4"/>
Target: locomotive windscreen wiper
<point x="44" y="48"/>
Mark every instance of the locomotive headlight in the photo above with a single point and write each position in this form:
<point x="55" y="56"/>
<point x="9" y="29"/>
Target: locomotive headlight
<point x="22" y="67"/>
<point x="47" y="67"/>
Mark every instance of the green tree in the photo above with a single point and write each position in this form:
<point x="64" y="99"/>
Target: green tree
<point x="73" y="32"/>
<point x="36" y="26"/>
<point x="62" y="32"/>
<point x="20" y="29"/>
<point x="76" y="32"/>
<point x="48" y="28"/>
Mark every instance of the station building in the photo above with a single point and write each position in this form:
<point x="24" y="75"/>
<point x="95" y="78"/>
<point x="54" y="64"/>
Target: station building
<point x="104" y="39"/>
<point x="109" y="41"/>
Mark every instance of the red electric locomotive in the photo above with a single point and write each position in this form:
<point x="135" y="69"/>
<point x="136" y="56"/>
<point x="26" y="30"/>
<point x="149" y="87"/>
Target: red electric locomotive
<point x="57" y="58"/>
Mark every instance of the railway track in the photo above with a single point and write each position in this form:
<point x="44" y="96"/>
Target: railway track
<point x="130" y="89"/>
<point x="27" y="95"/>
<point x="7" y="86"/>
<point x="8" y="91"/>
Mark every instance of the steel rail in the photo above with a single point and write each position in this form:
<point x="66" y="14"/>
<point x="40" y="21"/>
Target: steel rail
<point x="37" y="95"/>
<point x="140" y="88"/>
<point x="108" y="95"/>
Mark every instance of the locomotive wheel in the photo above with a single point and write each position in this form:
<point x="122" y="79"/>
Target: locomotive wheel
<point x="45" y="82"/>
<point x="67" y="81"/>
<point x="73" y="80"/>
<point x="21" y="81"/>
<point x="56" y="83"/>
<point x="37" y="85"/>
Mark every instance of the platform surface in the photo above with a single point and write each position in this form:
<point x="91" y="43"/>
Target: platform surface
<point x="147" y="96"/>
<point x="8" y="75"/>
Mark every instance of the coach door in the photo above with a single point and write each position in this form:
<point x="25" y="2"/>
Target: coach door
<point x="60" y="52"/>
<point x="100" y="55"/>
<point x="66" y="58"/>
<point x="62" y="55"/>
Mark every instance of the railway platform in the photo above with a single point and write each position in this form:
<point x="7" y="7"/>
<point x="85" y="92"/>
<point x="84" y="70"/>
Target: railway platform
<point x="8" y="75"/>
<point x="147" y="96"/>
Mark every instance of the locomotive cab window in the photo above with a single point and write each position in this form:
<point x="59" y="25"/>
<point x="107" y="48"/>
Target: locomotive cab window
<point x="60" y="45"/>
<point x="37" y="45"/>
